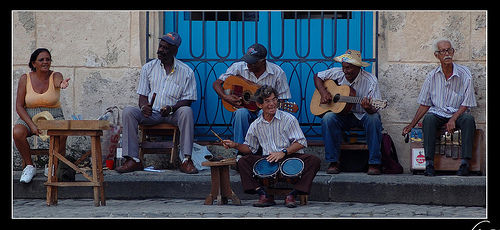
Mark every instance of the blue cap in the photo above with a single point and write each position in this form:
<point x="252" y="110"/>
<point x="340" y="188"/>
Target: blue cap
<point x="254" y="53"/>
<point x="172" y="38"/>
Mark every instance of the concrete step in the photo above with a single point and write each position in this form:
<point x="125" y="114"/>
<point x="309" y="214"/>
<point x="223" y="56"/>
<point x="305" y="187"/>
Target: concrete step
<point x="343" y="187"/>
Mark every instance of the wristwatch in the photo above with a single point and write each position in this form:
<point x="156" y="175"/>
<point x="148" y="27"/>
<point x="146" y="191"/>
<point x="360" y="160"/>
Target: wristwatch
<point x="285" y="151"/>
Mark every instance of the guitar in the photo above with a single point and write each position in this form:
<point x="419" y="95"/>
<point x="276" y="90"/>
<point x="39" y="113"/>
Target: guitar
<point x="244" y="88"/>
<point x="344" y="98"/>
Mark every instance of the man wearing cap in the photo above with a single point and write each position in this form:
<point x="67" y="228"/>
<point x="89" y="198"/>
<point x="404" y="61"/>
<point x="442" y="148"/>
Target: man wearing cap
<point x="174" y="84"/>
<point x="362" y="115"/>
<point x="257" y="69"/>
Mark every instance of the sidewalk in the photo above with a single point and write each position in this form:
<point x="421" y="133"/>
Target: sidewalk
<point x="343" y="187"/>
<point x="194" y="208"/>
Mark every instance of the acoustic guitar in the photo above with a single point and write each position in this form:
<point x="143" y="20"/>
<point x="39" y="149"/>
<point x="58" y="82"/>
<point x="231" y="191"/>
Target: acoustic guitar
<point x="344" y="98"/>
<point x="244" y="88"/>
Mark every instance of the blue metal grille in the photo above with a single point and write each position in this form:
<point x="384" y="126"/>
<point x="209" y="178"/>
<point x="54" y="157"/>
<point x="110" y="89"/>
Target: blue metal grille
<point x="302" y="43"/>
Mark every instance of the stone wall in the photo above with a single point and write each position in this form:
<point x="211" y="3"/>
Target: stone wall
<point x="102" y="52"/>
<point x="406" y="56"/>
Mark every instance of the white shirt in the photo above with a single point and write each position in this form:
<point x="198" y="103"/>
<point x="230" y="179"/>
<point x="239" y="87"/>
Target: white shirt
<point x="365" y="85"/>
<point x="274" y="136"/>
<point x="446" y="96"/>
<point x="273" y="76"/>
<point x="179" y="84"/>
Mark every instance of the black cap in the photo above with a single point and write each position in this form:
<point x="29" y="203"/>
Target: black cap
<point x="254" y="53"/>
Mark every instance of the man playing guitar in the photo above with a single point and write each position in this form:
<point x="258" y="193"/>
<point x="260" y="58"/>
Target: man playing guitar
<point x="257" y="69"/>
<point x="365" y="114"/>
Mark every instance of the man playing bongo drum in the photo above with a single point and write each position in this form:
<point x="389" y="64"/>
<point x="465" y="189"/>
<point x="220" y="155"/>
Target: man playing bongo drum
<point x="280" y="136"/>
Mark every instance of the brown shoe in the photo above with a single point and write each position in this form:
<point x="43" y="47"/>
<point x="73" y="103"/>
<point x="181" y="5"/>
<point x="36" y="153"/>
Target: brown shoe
<point x="290" y="201"/>
<point x="333" y="168"/>
<point x="373" y="170"/>
<point x="264" y="201"/>
<point x="129" y="166"/>
<point x="188" y="167"/>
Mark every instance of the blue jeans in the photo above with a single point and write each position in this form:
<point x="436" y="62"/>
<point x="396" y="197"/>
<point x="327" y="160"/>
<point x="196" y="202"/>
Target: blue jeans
<point x="333" y="126"/>
<point x="241" y="122"/>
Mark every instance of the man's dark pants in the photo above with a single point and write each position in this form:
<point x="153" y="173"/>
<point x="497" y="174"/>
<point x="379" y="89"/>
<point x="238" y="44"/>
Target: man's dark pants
<point x="433" y="122"/>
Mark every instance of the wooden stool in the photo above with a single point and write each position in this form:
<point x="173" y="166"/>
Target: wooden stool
<point x="221" y="188"/>
<point x="56" y="129"/>
<point x="163" y="129"/>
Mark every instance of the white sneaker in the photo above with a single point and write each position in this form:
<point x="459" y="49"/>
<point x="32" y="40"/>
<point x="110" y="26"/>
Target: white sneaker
<point x="28" y="174"/>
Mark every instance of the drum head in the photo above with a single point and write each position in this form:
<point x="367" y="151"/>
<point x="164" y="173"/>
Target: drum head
<point x="263" y="168"/>
<point x="292" y="166"/>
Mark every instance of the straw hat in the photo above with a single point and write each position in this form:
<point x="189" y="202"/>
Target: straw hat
<point x="353" y="57"/>
<point x="45" y="115"/>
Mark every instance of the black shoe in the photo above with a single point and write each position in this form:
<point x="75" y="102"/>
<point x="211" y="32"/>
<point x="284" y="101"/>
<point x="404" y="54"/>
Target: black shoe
<point x="463" y="170"/>
<point x="429" y="170"/>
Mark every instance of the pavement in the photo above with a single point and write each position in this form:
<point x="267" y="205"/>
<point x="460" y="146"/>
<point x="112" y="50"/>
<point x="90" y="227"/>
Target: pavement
<point x="412" y="189"/>
<point x="194" y="208"/>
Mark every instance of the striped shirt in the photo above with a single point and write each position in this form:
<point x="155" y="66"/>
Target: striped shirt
<point x="273" y="76"/>
<point x="274" y="136"/>
<point x="365" y="85"/>
<point x="179" y="84"/>
<point x="446" y="96"/>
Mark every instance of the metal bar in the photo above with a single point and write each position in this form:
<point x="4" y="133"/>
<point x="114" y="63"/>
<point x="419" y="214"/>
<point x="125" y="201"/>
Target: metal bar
<point x="191" y="35"/>
<point x="217" y="36"/>
<point x="322" y="37"/>
<point x="270" y="52"/>
<point x="308" y="36"/>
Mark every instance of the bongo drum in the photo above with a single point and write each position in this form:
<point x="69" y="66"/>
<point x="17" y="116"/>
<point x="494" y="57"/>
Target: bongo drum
<point x="265" y="171"/>
<point x="291" y="169"/>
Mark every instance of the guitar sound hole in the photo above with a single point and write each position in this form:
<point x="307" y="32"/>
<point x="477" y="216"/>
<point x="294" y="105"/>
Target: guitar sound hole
<point x="336" y="98"/>
<point x="246" y="96"/>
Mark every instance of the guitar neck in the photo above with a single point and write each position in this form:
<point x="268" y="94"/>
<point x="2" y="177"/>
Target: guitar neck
<point x="350" y="99"/>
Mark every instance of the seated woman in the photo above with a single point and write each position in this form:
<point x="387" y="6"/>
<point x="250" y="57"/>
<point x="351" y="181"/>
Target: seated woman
<point x="37" y="91"/>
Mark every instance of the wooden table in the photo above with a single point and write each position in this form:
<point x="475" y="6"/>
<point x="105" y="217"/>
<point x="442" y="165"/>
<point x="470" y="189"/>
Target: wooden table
<point x="221" y="188"/>
<point x="56" y="129"/>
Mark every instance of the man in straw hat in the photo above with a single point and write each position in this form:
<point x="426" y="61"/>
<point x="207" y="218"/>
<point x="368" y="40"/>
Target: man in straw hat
<point x="362" y="115"/>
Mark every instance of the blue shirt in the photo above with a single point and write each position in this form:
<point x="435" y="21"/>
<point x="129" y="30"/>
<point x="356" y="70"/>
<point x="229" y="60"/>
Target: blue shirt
<point x="446" y="96"/>
<point x="179" y="84"/>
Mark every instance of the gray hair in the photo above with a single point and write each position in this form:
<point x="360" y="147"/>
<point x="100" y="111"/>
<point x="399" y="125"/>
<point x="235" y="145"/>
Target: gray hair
<point x="264" y="92"/>
<point x="437" y="41"/>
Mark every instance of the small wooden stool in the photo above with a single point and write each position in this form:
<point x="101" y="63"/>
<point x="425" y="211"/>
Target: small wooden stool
<point x="221" y="187"/>
<point x="163" y="129"/>
<point x="56" y="129"/>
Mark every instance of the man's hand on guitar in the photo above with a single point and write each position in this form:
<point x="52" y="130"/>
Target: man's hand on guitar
<point x="326" y="97"/>
<point x="366" y="104"/>
<point x="233" y="100"/>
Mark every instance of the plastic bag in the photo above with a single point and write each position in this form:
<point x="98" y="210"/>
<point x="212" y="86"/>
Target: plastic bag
<point x="198" y="156"/>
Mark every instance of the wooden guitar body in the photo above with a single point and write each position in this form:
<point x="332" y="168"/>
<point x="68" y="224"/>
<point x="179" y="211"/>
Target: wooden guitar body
<point x="243" y="88"/>
<point x="336" y="107"/>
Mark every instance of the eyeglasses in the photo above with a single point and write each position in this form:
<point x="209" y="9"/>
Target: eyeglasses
<point x="449" y="51"/>
<point x="274" y="100"/>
